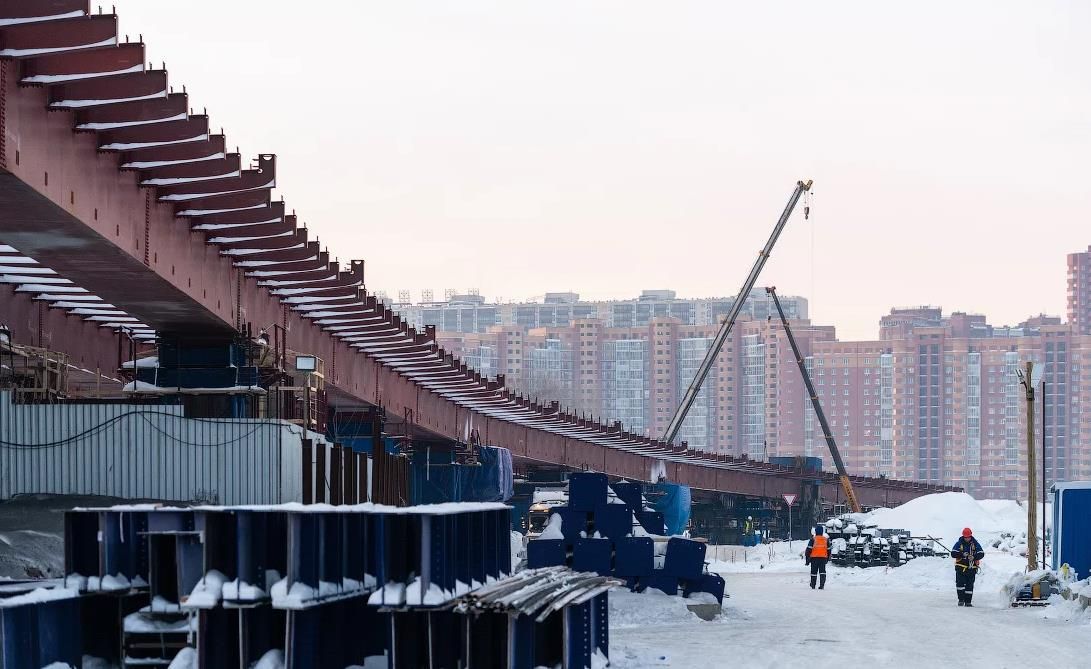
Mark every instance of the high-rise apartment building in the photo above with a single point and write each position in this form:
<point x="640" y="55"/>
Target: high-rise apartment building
<point x="940" y="402"/>
<point x="1079" y="291"/>
<point x="471" y="313"/>
<point x="935" y="397"/>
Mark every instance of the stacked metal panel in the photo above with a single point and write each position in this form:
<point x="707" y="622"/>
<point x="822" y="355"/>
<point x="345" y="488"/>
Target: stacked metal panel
<point x="37" y="631"/>
<point x="307" y="586"/>
<point x="190" y="365"/>
<point x="615" y="536"/>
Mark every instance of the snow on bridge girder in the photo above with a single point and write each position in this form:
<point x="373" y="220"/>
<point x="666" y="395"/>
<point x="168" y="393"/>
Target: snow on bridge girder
<point x="275" y="226"/>
<point x="193" y="130"/>
<point x="264" y="176"/>
<point x="86" y="93"/>
<point x="306" y="253"/>
<point x="204" y="170"/>
<point x="176" y="154"/>
<point x="273" y="213"/>
<point x="33" y="11"/>
<point x="27" y="40"/>
<point x="75" y="65"/>
<point x="218" y="204"/>
<point x="318" y="287"/>
<point x="256" y="246"/>
<point x="300" y="278"/>
<point x="174" y="107"/>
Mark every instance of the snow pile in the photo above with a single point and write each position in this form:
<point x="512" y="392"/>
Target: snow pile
<point x="206" y="594"/>
<point x="241" y="591"/>
<point x="38" y="596"/>
<point x="935" y="574"/>
<point x="273" y="659"/>
<point x="434" y="595"/>
<point x="943" y="516"/>
<point x="185" y="659"/>
<point x="553" y="528"/>
<point x="649" y="608"/>
<point x="292" y="598"/>
<point x="162" y="605"/>
<point x="109" y="583"/>
<point x="1008" y="542"/>
<point x="518" y="552"/>
<point x="391" y="594"/>
<point x="145" y="623"/>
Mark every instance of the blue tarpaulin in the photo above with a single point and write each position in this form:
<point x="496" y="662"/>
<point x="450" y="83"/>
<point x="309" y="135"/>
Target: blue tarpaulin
<point x="439" y="480"/>
<point x="674" y="504"/>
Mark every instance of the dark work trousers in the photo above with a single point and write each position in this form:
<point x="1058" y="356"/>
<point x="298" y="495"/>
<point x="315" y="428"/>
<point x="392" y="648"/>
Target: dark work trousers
<point x="818" y="572"/>
<point x="964" y="583"/>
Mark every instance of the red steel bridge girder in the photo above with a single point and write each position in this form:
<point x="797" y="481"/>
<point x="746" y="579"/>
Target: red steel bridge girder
<point x="96" y="225"/>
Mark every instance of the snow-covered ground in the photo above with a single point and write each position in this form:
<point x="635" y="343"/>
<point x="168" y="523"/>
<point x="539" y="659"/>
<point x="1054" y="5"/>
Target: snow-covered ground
<point x="773" y="619"/>
<point x="893" y="617"/>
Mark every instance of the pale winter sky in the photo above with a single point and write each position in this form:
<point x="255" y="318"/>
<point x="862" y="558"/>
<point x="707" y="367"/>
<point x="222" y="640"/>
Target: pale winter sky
<point x="607" y="147"/>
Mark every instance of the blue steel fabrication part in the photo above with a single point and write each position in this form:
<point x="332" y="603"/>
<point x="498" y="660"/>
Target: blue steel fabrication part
<point x="675" y="505"/>
<point x="36" y="634"/>
<point x="435" y="477"/>
<point x="314" y="586"/>
<point x="613" y="539"/>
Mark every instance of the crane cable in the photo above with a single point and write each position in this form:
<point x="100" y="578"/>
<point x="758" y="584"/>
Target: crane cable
<point x="807" y="199"/>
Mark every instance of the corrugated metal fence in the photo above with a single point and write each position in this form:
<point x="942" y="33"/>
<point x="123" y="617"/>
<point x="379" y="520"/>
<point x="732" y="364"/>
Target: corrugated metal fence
<point x="150" y="451"/>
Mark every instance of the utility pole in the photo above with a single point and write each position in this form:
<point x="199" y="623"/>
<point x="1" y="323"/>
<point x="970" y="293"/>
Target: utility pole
<point x="1032" y="473"/>
<point x="1053" y="458"/>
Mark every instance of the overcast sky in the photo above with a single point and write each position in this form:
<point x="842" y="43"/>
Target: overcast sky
<point x="609" y="147"/>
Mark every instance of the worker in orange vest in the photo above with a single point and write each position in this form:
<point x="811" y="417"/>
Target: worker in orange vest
<point x="817" y="555"/>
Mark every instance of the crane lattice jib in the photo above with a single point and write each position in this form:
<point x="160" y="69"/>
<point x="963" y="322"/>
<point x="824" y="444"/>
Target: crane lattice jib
<point x="846" y="483"/>
<point x="725" y="329"/>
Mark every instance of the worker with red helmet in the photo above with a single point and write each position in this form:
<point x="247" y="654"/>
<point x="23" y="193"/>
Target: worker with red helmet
<point x="817" y="555"/>
<point x="968" y="554"/>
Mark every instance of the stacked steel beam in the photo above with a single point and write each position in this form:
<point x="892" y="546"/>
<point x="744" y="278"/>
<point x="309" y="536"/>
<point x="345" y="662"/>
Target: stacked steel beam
<point x="304" y="586"/>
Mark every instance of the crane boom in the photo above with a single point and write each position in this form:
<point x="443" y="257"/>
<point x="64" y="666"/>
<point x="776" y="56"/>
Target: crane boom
<point x="725" y="329"/>
<point x="846" y="483"/>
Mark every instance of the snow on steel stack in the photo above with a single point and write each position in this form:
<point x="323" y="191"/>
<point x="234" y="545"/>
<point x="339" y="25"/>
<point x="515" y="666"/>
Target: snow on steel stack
<point x="303" y="586"/>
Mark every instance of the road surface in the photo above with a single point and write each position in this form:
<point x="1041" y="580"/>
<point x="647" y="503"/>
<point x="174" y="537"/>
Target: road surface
<point x="776" y="620"/>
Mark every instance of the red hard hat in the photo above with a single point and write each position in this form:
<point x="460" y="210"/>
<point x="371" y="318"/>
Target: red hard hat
<point x="966" y="532"/>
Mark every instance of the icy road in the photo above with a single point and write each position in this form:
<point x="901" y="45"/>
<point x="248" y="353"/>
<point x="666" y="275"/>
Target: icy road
<point x="774" y="620"/>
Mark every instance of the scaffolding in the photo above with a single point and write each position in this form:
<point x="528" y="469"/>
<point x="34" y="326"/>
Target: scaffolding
<point x="31" y="373"/>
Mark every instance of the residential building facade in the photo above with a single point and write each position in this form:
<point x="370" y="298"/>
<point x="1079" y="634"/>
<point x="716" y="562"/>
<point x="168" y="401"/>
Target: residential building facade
<point x="472" y="313"/>
<point x="936" y="397"/>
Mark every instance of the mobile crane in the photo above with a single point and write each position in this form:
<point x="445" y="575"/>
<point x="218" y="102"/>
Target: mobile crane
<point x="725" y="329"/>
<point x="846" y="483"/>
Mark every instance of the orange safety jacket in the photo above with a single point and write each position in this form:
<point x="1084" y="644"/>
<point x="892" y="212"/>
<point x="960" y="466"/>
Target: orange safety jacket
<point x="820" y="547"/>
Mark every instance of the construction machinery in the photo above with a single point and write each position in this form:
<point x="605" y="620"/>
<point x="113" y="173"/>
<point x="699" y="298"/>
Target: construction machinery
<point x="846" y="483"/>
<point x="725" y="329"/>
